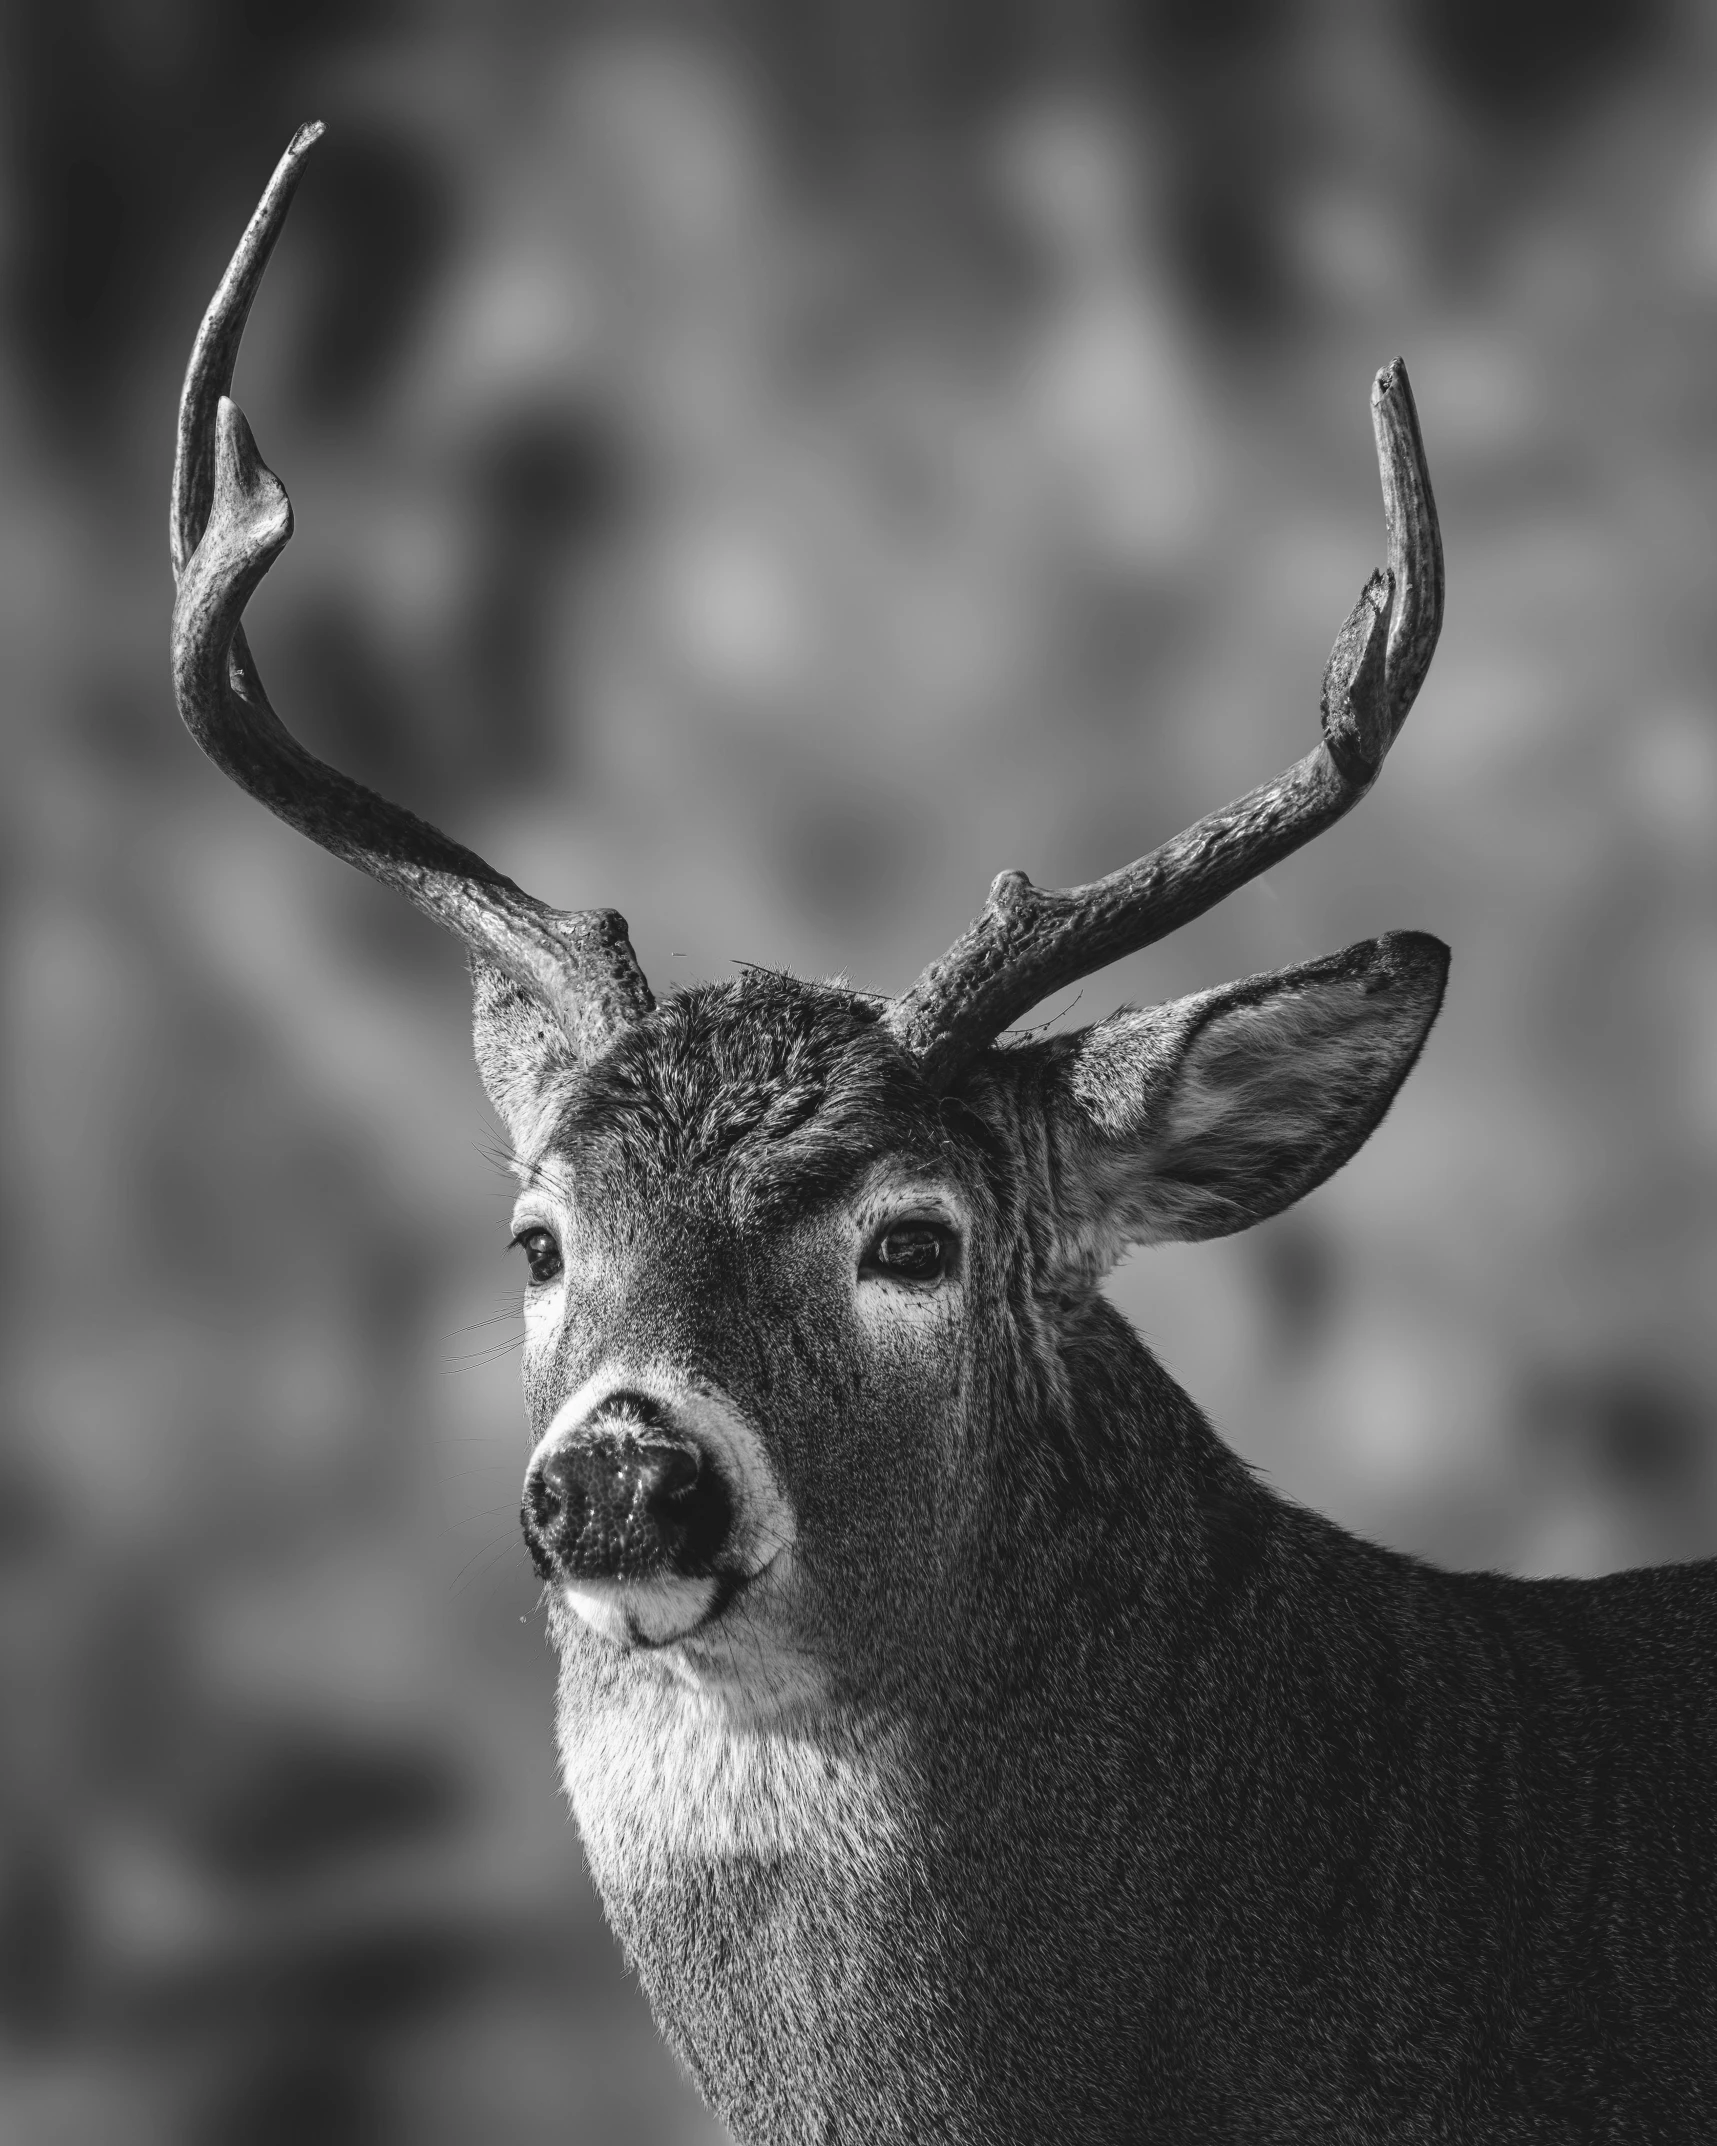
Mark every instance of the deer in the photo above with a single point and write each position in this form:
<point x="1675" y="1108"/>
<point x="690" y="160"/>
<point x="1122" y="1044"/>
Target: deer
<point x="965" y="1743"/>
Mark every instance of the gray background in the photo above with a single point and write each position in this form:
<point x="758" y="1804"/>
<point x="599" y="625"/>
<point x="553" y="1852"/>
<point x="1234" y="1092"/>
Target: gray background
<point x="769" y="468"/>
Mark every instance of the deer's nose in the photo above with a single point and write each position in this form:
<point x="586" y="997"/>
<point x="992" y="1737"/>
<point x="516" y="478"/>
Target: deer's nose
<point x="597" y="1472"/>
<point x="625" y="1504"/>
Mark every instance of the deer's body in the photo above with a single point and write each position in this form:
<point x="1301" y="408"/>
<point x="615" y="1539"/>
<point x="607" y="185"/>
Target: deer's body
<point x="965" y="1745"/>
<point x="1404" y="1871"/>
<point x="1419" y="1881"/>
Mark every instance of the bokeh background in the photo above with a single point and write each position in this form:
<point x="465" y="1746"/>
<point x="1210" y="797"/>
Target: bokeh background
<point x="768" y="467"/>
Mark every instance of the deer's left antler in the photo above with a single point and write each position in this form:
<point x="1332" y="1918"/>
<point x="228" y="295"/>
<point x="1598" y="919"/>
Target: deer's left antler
<point x="1030" y="941"/>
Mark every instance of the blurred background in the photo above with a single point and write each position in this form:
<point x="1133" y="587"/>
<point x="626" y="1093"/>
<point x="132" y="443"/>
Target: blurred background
<point x="768" y="467"/>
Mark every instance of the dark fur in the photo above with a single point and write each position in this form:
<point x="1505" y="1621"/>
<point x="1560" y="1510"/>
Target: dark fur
<point x="1215" y="1823"/>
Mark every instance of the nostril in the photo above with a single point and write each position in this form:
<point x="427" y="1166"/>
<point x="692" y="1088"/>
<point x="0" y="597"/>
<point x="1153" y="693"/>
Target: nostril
<point x="554" y="1493"/>
<point x="668" y="1472"/>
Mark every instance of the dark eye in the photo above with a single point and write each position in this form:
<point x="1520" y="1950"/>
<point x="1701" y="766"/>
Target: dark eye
<point x="541" y="1251"/>
<point x="911" y="1252"/>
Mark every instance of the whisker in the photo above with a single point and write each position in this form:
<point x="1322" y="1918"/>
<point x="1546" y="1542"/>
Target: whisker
<point x="479" y="1565"/>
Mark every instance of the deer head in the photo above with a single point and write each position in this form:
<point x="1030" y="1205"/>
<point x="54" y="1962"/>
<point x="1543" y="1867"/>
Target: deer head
<point x="817" y="1363"/>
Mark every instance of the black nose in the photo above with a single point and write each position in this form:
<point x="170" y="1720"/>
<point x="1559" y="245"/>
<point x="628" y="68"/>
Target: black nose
<point x="625" y="1504"/>
<point x="598" y="1471"/>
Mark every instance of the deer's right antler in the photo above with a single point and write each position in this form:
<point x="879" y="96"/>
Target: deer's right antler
<point x="1029" y="941"/>
<point x="231" y="519"/>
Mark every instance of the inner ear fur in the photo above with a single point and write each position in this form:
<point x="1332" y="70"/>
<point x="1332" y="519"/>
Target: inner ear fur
<point x="524" y="1054"/>
<point x="1201" y="1117"/>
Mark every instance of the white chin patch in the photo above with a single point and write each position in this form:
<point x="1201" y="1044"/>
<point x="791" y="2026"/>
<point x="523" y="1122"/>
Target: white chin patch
<point x="647" y="1613"/>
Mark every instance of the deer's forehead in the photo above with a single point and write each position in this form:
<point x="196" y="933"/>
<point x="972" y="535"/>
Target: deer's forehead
<point x="752" y="1099"/>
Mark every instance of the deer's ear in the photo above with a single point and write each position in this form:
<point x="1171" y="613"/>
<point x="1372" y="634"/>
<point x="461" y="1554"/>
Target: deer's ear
<point x="523" y="1053"/>
<point x="1201" y="1117"/>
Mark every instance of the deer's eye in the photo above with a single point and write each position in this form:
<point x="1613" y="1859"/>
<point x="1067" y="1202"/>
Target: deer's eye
<point x="920" y="1252"/>
<point x="541" y="1252"/>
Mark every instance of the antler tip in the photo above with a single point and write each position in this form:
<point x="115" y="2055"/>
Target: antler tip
<point x="1390" y="381"/>
<point x="1415" y="544"/>
<point x="1395" y="421"/>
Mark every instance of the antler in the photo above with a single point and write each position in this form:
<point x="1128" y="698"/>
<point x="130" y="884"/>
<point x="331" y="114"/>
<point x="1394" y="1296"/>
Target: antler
<point x="1030" y="941"/>
<point x="231" y="519"/>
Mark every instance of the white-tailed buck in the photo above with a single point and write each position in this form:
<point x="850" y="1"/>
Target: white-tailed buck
<point x="965" y="1744"/>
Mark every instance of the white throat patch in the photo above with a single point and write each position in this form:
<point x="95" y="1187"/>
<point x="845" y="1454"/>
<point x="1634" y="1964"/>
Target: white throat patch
<point x="660" y="1775"/>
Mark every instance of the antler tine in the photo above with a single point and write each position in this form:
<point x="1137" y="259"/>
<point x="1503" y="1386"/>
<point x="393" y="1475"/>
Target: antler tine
<point x="1029" y="941"/>
<point x="231" y="519"/>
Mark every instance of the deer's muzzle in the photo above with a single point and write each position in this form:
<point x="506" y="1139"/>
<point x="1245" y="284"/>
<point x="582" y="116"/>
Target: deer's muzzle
<point x="626" y="1498"/>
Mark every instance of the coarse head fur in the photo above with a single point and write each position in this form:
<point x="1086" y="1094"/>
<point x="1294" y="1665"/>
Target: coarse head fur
<point x="711" y="1207"/>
